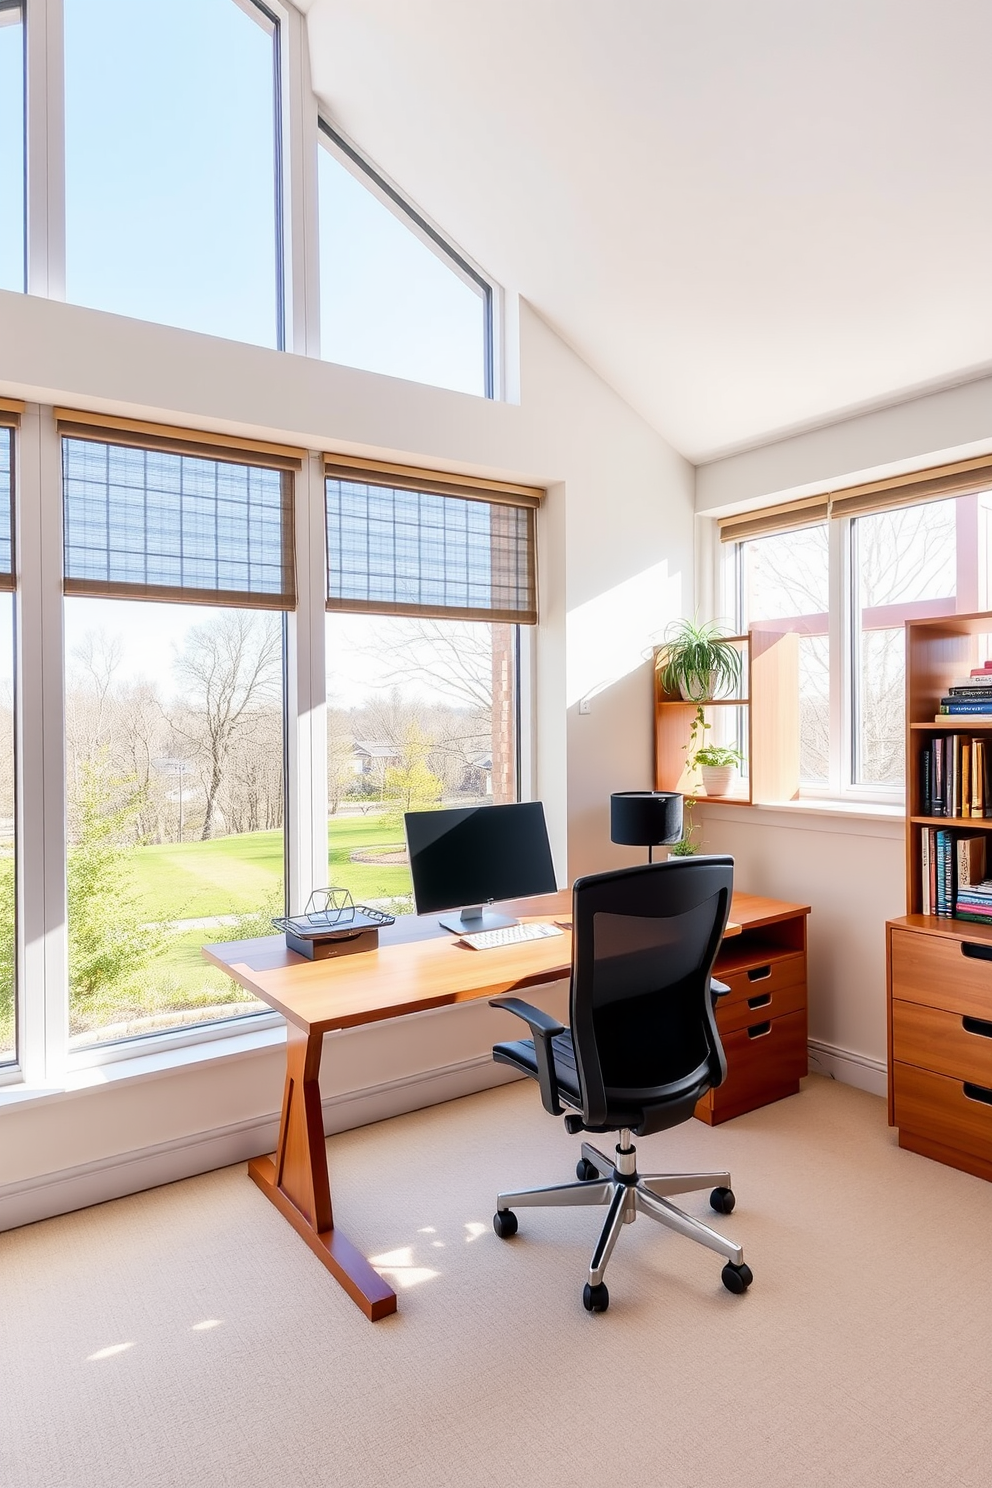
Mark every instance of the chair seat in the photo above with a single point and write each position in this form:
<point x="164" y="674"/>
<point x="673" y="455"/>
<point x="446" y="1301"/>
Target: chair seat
<point x="520" y="1052"/>
<point x="625" y="1107"/>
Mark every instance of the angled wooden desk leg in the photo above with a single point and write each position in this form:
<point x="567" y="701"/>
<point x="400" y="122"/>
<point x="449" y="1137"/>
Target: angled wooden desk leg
<point x="297" y="1183"/>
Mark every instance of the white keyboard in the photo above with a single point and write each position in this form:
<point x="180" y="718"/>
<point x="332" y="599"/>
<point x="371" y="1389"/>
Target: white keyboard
<point x="485" y="940"/>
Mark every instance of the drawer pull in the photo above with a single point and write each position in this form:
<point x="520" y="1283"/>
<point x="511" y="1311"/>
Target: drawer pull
<point x="976" y="951"/>
<point x="766" y="997"/>
<point x="760" y="1029"/>
<point x="977" y="1093"/>
<point x="759" y="973"/>
<point x="977" y="1025"/>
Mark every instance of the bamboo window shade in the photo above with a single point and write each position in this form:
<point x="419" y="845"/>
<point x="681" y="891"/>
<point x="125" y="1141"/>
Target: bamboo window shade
<point x="963" y="478"/>
<point x="411" y="542"/>
<point x="162" y="514"/>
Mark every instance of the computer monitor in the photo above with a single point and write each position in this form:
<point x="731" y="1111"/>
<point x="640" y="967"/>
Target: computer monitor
<point x="466" y="857"/>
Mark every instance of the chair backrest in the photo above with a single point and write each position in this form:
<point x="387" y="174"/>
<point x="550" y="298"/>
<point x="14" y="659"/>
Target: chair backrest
<point x="644" y="941"/>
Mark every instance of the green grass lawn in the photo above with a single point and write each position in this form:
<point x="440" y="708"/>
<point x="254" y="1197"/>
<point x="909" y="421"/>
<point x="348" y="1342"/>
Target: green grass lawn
<point x="229" y="876"/>
<point x="240" y="875"/>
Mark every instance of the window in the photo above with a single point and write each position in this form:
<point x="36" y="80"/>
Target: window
<point x="178" y="565"/>
<point x="172" y="170"/>
<point x="427" y="592"/>
<point x="12" y="194"/>
<point x="8" y="897"/>
<point x="394" y="297"/>
<point x="845" y="573"/>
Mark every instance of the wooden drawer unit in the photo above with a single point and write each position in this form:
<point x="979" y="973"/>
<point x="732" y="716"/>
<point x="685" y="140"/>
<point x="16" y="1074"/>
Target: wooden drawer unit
<point x="950" y="1120"/>
<point x="940" y="1040"/>
<point x="943" y="971"/>
<point x="958" y="1046"/>
<point x="762" y="1020"/>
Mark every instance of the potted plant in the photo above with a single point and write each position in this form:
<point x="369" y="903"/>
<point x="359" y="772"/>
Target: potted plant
<point x="717" y="765"/>
<point x="699" y="661"/>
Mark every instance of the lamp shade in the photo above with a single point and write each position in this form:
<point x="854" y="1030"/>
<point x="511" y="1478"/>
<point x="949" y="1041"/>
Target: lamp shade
<point x="645" y="818"/>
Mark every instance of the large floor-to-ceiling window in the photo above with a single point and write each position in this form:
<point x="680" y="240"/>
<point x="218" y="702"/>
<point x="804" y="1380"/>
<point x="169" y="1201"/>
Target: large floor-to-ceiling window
<point x="178" y="569"/>
<point x="427" y="591"/>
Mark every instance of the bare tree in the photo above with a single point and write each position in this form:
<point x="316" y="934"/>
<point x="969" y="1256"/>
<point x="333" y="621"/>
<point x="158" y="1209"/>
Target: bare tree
<point x="231" y="668"/>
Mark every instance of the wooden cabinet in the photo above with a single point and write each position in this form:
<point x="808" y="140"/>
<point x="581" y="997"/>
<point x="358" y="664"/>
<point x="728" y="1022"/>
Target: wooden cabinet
<point x="762" y="1020"/>
<point x="939" y="970"/>
<point x="763" y="724"/>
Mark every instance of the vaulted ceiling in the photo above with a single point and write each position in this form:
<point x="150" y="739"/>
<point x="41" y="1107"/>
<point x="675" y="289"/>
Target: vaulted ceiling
<point x="750" y="216"/>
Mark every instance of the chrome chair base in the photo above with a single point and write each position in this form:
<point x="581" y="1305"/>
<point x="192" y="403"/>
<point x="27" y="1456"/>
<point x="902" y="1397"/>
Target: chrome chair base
<point x="627" y="1193"/>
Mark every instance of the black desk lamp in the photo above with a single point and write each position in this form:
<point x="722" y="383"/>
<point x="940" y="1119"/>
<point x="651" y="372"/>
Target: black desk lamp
<point x="645" y="818"/>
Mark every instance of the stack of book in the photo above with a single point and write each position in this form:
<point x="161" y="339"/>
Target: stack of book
<point x="971" y="695"/>
<point x="956" y="776"/>
<point x="974" y="902"/>
<point x="953" y="873"/>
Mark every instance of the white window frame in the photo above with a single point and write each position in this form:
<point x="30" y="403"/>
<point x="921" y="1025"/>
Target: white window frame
<point x="972" y="591"/>
<point x="358" y="165"/>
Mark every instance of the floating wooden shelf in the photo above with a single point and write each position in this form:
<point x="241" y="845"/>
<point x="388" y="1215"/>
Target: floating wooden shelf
<point x="770" y="724"/>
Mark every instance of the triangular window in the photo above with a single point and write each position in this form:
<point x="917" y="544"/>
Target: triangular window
<point x="394" y="297"/>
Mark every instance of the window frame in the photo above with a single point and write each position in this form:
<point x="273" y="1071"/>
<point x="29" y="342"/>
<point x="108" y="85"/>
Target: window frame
<point x="964" y="483"/>
<point x="389" y="195"/>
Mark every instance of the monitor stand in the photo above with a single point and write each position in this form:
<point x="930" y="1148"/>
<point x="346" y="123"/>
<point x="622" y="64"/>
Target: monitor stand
<point x="473" y="918"/>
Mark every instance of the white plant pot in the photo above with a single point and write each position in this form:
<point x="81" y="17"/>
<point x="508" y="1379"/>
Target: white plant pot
<point x="717" y="779"/>
<point x="699" y="692"/>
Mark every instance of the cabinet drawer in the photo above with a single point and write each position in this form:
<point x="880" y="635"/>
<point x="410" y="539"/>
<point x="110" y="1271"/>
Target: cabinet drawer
<point x="938" y="1109"/>
<point x="765" y="1062"/>
<point x="765" y="1001"/>
<point x="952" y="1045"/>
<point x="935" y="970"/>
<point x="764" y="977"/>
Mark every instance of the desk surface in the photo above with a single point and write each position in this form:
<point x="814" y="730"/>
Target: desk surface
<point x="419" y="966"/>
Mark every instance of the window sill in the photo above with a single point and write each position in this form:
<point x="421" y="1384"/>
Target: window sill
<point x="148" y="1066"/>
<point x="860" y="818"/>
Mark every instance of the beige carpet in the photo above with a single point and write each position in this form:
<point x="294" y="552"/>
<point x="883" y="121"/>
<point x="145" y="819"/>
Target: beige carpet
<point x="187" y="1337"/>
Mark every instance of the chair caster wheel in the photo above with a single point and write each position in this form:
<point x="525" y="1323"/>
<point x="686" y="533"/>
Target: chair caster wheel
<point x="595" y="1298"/>
<point x="722" y="1200"/>
<point x="736" y="1279"/>
<point x="585" y="1171"/>
<point x="505" y="1223"/>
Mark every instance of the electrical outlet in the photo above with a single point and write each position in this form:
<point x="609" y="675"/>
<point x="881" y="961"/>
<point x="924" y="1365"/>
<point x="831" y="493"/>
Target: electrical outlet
<point x="585" y="705"/>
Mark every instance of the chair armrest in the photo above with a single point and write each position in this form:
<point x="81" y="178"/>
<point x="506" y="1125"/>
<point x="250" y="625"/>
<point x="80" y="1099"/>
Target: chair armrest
<point x="718" y="989"/>
<point x="544" y="1028"/>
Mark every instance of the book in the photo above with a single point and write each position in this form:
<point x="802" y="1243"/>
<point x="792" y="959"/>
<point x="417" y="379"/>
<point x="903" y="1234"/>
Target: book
<point x="938" y="747"/>
<point x="983" y="671"/>
<point x="925" y="900"/>
<point x="945" y="874"/>
<point x="978" y="777"/>
<point x="926" y="790"/>
<point x="950" y="706"/>
<point x="970" y="860"/>
<point x="972" y="684"/>
<point x="965" y="778"/>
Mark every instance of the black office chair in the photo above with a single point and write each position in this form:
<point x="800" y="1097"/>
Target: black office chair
<point x="642" y="1048"/>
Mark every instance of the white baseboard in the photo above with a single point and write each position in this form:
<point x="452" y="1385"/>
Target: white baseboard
<point x="125" y="1173"/>
<point x="847" y="1067"/>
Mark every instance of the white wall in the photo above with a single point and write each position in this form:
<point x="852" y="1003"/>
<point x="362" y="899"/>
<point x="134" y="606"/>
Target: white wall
<point x="849" y="870"/>
<point x="615" y="565"/>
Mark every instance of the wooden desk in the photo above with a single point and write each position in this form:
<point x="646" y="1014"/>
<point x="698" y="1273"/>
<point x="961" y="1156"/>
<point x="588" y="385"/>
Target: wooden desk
<point x="417" y="966"/>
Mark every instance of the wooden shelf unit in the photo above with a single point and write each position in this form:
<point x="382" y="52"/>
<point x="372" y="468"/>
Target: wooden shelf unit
<point x="771" y="723"/>
<point x="939" y="970"/>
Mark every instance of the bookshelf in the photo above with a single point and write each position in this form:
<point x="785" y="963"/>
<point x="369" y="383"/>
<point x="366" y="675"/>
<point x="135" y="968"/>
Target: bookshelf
<point x="765" y="719"/>
<point x="939" y="969"/>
